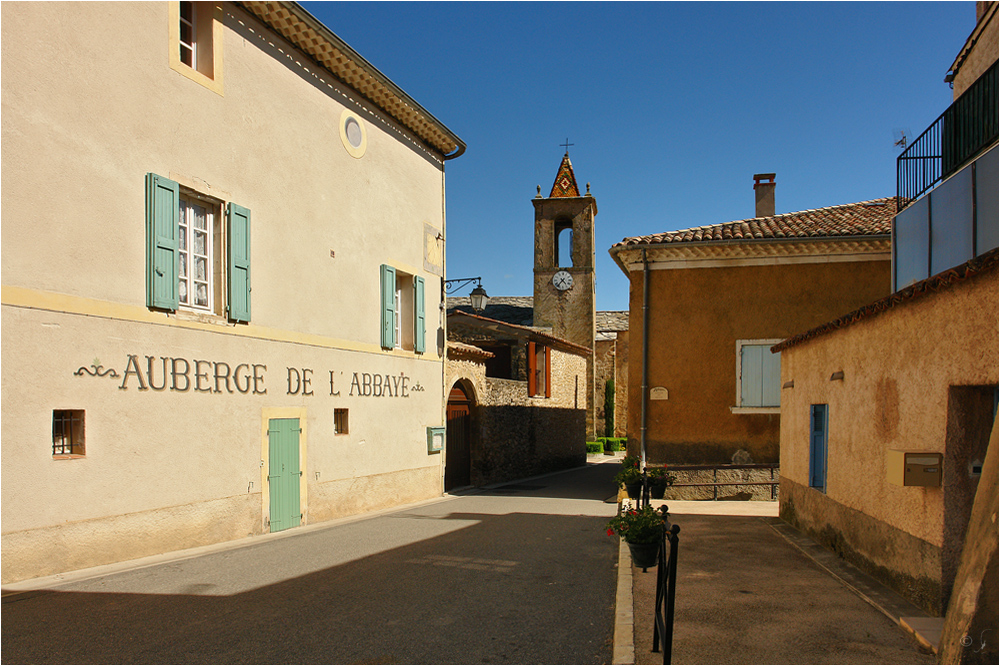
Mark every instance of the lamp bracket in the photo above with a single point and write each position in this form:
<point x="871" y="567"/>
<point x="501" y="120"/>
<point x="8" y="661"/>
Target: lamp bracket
<point x="451" y="286"/>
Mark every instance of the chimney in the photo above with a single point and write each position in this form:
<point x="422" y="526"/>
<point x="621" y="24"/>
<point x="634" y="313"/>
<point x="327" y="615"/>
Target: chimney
<point x="764" y="194"/>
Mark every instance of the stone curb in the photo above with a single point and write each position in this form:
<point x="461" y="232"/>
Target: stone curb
<point x="623" y="651"/>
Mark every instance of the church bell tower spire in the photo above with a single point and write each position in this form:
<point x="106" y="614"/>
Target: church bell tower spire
<point x="564" y="285"/>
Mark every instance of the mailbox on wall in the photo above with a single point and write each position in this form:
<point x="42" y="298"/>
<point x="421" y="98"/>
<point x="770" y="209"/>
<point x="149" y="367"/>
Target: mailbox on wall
<point x="914" y="468"/>
<point x="435" y="439"/>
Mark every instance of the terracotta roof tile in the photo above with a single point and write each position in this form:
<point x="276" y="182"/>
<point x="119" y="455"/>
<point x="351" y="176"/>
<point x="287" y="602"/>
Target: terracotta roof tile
<point x="865" y="218"/>
<point x="565" y="183"/>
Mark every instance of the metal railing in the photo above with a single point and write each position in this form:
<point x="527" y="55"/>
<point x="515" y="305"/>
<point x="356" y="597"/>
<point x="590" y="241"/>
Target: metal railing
<point x="666" y="579"/>
<point x="960" y="133"/>
<point x="666" y="587"/>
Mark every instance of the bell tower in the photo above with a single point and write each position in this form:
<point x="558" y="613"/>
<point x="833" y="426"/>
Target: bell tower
<point x="565" y="298"/>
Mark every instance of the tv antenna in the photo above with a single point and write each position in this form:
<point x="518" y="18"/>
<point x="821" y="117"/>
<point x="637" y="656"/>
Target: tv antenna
<point x="899" y="138"/>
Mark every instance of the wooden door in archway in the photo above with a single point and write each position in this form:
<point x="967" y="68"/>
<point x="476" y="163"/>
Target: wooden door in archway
<point x="458" y="446"/>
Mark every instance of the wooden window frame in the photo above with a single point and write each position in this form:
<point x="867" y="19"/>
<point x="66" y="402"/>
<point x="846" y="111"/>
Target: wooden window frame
<point x="534" y="372"/>
<point x="341" y="421"/>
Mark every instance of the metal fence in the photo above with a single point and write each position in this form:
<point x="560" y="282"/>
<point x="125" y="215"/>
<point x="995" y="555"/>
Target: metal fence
<point x="666" y="579"/>
<point x="960" y="133"/>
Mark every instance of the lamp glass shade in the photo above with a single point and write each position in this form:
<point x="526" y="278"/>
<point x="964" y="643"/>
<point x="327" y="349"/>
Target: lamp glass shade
<point x="479" y="299"/>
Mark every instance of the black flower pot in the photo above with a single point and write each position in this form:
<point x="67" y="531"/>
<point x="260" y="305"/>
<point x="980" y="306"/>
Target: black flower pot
<point x="657" y="490"/>
<point x="644" y="554"/>
<point x="634" y="490"/>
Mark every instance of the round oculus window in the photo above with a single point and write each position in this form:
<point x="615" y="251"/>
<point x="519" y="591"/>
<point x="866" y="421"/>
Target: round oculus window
<point x="353" y="134"/>
<point x="353" y="131"/>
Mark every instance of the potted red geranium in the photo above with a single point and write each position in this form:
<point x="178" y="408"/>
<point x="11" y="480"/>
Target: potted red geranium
<point x="642" y="529"/>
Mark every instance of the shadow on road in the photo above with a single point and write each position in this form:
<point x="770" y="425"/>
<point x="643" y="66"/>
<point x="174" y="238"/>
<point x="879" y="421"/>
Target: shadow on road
<point x="595" y="481"/>
<point x="512" y="588"/>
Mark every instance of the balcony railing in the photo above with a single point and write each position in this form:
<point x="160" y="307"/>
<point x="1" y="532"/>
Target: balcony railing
<point x="960" y="133"/>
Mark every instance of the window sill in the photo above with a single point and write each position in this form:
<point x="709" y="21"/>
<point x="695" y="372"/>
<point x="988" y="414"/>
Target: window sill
<point x="199" y="316"/>
<point x="72" y="456"/>
<point x="755" y="410"/>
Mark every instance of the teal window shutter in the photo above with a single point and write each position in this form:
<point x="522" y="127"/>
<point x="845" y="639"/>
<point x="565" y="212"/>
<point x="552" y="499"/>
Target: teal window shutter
<point x="419" y="319"/>
<point x="388" y="306"/>
<point x="162" y="216"/>
<point x="238" y="304"/>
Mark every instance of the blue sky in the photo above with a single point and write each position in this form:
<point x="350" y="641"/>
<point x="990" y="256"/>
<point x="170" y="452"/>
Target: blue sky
<point x="671" y="107"/>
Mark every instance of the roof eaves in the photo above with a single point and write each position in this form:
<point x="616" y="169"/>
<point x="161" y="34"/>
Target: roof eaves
<point x="524" y="331"/>
<point x="668" y="238"/>
<point x="394" y="101"/>
<point x="970" y="42"/>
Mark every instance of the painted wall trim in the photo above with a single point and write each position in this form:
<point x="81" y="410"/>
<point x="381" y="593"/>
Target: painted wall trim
<point x="676" y="264"/>
<point x="33" y="299"/>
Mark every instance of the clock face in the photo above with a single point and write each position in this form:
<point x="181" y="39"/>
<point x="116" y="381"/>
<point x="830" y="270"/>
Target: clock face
<point x="562" y="280"/>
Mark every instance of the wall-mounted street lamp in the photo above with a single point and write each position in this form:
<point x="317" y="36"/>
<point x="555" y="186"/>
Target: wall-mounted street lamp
<point x="478" y="295"/>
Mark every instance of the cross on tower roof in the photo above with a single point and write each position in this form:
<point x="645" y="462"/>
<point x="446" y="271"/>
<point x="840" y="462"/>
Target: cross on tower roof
<point x="567" y="145"/>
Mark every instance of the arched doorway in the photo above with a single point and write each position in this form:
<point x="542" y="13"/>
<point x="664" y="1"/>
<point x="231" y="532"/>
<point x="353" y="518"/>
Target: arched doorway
<point x="458" y="447"/>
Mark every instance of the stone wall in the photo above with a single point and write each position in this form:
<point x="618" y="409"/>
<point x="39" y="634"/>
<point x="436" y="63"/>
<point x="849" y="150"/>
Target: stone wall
<point x="520" y="436"/>
<point x="734" y="492"/>
<point x="472" y="372"/>
<point x="621" y="383"/>
<point x="604" y="369"/>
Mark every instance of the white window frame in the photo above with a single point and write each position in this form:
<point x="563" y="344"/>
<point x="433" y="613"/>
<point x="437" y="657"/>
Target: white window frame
<point x="192" y="24"/>
<point x="739" y="408"/>
<point x="205" y="47"/>
<point x="186" y="256"/>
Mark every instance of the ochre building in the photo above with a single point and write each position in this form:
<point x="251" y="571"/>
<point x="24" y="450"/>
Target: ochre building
<point x="719" y="297"/>
<point x="889" y="413"/>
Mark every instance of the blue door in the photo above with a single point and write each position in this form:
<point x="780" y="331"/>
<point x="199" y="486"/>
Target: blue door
<point x="818" y="424"/>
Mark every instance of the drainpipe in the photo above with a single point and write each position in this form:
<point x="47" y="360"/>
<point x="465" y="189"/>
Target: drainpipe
<point x="645" y="358"/>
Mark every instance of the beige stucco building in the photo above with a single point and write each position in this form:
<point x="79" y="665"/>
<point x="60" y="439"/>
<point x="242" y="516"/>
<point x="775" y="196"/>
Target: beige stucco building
<point x="153" y="172"/>
<point x="888" y="429"/>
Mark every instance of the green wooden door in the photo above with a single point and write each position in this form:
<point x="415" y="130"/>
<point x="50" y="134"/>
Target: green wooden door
<point x="284" y="473"/>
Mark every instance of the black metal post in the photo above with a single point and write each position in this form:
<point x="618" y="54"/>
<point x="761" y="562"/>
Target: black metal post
<point x="666" y="587"/>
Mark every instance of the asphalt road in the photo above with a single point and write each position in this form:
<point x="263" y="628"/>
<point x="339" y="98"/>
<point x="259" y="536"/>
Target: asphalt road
<point x="519" y="574"/>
